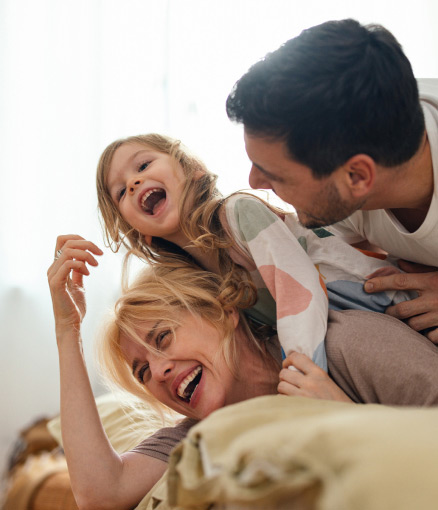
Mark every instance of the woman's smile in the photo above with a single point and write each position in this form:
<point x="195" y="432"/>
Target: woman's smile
<point x="189" y="373"/>
<point x="189" y="384"/>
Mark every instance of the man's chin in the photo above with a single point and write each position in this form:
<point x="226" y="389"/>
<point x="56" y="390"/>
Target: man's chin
<point x="311" y="222"/>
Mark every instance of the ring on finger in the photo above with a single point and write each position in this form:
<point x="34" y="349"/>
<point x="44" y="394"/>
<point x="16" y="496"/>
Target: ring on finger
<point x="58" y="254"/>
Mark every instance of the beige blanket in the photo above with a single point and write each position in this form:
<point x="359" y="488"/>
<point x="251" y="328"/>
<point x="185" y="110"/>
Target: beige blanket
<point x="291" y="452"/>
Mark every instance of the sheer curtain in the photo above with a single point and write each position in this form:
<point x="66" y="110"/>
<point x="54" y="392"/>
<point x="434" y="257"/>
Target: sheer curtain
<point x="77" y="74"/>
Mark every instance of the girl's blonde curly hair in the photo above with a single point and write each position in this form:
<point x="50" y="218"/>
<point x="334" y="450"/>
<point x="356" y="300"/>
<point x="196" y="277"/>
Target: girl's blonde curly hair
<point x="199" y="207"/>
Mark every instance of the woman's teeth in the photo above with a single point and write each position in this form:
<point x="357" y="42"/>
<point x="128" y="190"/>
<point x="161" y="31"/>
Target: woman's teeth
<point x="183" y="390"/>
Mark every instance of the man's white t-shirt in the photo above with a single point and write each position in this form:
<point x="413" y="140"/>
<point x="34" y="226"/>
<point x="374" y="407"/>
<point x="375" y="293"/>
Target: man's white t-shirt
<point x="381" y="228"/>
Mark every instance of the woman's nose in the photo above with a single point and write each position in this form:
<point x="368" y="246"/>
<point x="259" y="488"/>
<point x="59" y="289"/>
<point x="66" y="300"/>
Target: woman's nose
<point x="257" y="180"/>
<point x="133" y="184"/>
<point x="161" y="368"/>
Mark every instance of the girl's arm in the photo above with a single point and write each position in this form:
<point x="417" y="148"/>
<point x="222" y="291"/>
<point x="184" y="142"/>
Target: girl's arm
<point x="100" y="478"/>
<point x="308" y="380"/>
<point x="287" y="272"/>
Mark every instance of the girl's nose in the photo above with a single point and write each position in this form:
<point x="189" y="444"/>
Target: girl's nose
<point x="133" y="184"/>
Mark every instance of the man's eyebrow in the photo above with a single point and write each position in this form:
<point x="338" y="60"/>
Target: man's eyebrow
<point x="268" y="174"/>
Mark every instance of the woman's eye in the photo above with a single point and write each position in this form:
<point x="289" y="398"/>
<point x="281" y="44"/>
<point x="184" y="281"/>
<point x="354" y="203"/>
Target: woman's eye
<point x="141" y="372"/>
<point x="121" y="193"/>
<point x="143" y="166"/>
<point x="162" y="339"/>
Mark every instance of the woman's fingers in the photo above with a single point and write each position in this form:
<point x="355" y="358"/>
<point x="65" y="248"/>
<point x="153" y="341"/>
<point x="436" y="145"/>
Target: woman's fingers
<point x="75" y="242"/>
<point x="74" y="247"/>
<point x="65" y="276"/>
<point x="79" y="253"/>
<point x="60" y="275"/>
<point x="72" y="254"/>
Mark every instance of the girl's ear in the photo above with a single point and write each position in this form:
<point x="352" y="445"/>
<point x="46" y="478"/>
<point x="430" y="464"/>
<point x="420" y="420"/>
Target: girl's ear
<point x="148" y="240"/>
<point x="198" y="174"/>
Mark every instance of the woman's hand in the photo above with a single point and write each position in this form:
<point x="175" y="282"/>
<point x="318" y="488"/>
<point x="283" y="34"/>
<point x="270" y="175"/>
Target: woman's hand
<point x="65" y="277"/>
<point x="309" y="380"/>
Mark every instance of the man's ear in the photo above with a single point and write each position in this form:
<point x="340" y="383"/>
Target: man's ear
<point x="359" y="174"/>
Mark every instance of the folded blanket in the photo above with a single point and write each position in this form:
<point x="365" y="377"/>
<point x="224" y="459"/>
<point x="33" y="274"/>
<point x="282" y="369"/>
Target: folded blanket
<point x="275" y="451"/>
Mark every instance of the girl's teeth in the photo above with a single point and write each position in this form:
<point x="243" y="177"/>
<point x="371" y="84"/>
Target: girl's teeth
<point x="147" y="195"/>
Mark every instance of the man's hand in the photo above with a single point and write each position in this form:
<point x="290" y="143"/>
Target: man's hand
<point x="420" y="313"/>
<point x="308" y="380"/>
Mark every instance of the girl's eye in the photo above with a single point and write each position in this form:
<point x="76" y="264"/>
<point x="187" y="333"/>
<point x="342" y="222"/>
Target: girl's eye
<point x="141" y="372"/>
<point x="162" y="339"/>
<point x="143" y="166"/>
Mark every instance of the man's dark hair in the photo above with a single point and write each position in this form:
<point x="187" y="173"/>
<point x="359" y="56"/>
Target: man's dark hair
<point x="336" y="90"/>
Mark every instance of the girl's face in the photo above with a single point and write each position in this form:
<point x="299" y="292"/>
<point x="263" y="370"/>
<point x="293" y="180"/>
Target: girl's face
<point x="146" y="186"/>
<point x="190" y="374"/>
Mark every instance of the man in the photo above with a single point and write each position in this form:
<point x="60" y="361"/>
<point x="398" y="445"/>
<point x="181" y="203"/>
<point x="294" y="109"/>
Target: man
<point x="334" y="126"/>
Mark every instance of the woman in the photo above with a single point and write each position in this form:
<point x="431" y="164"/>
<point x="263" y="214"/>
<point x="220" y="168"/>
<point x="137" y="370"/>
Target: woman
<point x="176" y="339"/>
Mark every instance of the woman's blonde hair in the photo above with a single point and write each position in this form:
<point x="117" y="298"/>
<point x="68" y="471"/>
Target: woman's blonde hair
<point x="164" y="293"/>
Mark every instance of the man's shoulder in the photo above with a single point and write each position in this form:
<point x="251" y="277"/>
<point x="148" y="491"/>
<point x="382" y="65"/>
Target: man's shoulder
<point x="428" y="88"/>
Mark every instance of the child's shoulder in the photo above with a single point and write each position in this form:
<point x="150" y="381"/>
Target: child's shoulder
<point x="245" y="202"/>
<point x="240" y="197"/>
<point x="247" y="215"/>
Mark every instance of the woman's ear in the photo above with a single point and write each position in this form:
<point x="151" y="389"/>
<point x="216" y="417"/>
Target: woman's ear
<point x="359" y="174"/>
<point x="234" y="316"/>
<point x="148" y="240"/>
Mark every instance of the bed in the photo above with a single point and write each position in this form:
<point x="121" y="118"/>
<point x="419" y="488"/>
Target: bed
<point x="273" y="452"/>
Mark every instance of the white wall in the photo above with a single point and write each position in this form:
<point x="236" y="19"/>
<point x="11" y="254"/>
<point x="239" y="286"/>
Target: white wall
<point x="77" y="74"/>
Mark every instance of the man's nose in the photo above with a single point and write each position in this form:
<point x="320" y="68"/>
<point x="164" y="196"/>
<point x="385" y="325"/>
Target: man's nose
<point x="257" y="179"/>
<point x="133" y="184"/>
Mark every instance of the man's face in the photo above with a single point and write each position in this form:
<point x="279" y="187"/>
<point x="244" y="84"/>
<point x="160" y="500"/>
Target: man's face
<point x="317" y="202"/>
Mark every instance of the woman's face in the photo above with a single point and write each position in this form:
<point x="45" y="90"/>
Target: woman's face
<point x="146" y="186"/>
<point x="189" y="374"/>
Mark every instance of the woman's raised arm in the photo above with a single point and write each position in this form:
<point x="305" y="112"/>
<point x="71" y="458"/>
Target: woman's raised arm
<point x="100" y="478"/>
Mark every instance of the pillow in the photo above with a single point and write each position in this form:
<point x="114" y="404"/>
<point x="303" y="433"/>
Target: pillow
<point x="293" y="452"/>
<point x="127" y="421"/>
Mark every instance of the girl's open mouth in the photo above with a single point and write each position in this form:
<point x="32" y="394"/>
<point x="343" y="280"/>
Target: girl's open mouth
<point x="151" y="200"/>
<point x="189" y="384"/>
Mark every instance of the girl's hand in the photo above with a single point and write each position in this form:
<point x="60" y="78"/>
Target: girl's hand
<point x="65" y="277"/>
<point x="309" y="380"/>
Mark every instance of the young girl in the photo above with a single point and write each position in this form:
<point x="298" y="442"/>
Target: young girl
<point x="161" y="203"/>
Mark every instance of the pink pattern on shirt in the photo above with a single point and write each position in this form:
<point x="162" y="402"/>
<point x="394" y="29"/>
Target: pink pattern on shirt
<point x="291" y="297"/>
